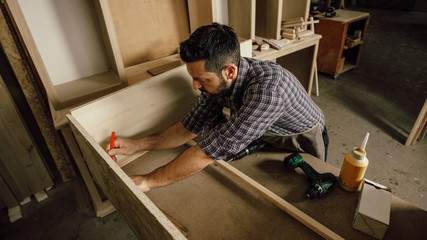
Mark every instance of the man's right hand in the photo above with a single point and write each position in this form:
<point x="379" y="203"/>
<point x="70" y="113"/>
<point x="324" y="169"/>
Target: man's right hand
<point x="123" y="146"/>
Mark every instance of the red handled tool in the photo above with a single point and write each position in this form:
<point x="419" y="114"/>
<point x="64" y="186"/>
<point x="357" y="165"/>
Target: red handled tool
<point x="113" y="134"/>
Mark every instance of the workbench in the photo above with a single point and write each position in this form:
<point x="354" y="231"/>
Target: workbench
<point x="211" y="204"/>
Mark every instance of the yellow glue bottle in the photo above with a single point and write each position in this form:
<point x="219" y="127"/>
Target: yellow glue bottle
<point x="354" y="167"/>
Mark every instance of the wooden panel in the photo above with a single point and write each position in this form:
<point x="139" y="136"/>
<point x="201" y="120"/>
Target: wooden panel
<point x="149" y="30"/>
<point x="268" y="19"/>
<point x="303" y="72"/>
<point x="330" y="46"/>
<point x="242" y="17"/>
<point x="140" y="109"/>
<point x="21" y="165"/>
<point x="6" y="196"/>
<point x="295" y="8"/>
<point x="201" y="12"/>
<point x="145" y="219"/>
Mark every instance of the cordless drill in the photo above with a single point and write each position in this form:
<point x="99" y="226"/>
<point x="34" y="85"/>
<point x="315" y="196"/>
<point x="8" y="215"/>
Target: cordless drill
<point x="251" y="148"/>
<point x="320" y="183"/>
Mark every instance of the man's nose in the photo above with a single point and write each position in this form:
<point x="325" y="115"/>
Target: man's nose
<point x="196" y="85"/>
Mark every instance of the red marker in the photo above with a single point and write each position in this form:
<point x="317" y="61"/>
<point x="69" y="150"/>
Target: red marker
<point x="112" y="143"/>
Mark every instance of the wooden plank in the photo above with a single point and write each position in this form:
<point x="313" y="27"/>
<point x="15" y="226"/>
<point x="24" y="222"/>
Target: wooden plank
<point x="20" y="158"/>
<point x="294" y="9"/>
<point x="268" y="19"/>
<point x="278" y="201"/>
<point x="101" y="207"/>
<point x="6" y="195"/>
<point x="282" y="204"/>
<point x="201" y="12"/>
<point x="244" y="22"/>
<point x="15" y="10"/>
<point x="136" y="21"/>
<point x="145" y="219"/>
<point x="419" y="124"/>
<point x="106" y="25"/>
<point x="303" y="72"/>
<point x="157" y="98"/>
<point x="163" y="68"/>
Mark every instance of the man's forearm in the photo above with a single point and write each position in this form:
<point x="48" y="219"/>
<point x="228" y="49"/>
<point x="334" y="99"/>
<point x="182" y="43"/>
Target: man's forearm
<point x="186" y="164"/>
<point x="174" y="136"/>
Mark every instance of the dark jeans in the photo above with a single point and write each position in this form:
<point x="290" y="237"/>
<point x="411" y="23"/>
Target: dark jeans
<point x="325" y="141"/>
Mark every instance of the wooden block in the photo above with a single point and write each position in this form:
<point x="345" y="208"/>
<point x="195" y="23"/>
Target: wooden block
<point x="289" y="30"/>
<point x="293" y="20"/>
<point x="289" y="36"/>
<point x="25" y="201"/>
<point x="161" y="69"/>
<point x="15" y="213"/>
<point x="263" y="47"/>
<point x="40" y="196"/>
<point x="272" y="44"/>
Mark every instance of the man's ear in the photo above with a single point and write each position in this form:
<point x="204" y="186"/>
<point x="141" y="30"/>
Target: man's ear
<point x="230" y="72"/>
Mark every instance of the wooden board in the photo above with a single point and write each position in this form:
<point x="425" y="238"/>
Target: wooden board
<point x="135" y="23"/>
<point x="201" y="12"/>
<point x="419" y="124"/>
<point x="268" y="19"/>
<point x="295" y="8"/>
<point x="244" y="21"/>
<point x="303" y="72"/>
<point x="6" y="196"/>
<point x="22" y="168"/>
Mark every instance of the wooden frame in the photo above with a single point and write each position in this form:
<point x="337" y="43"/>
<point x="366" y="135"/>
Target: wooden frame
<point x="70" y="93"/>
<point x="159" y="99"/>
<point x="211" y="202"/>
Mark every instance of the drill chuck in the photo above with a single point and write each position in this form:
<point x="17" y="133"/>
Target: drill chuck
<point x="251" y="148"/>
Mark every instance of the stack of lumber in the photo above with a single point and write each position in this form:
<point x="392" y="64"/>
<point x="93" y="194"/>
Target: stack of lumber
<point x="295" y="28"/>
<point x="22" y="170"/>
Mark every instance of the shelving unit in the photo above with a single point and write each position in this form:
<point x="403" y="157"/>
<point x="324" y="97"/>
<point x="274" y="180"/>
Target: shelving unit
<point x="335" y="56"/>
<point x="135" y="36"/>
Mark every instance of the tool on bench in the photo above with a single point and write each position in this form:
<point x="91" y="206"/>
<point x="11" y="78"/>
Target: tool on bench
<point x="320" y="182"/>
<point x="330" y="12"/>
<point x="254" y="146"/>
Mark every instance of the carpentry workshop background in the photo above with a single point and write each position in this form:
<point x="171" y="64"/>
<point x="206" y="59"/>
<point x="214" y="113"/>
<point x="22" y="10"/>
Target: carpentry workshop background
<point x="67" y="67"/>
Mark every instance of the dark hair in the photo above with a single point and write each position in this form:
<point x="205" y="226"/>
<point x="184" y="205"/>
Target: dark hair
<point x="217" y="44"/>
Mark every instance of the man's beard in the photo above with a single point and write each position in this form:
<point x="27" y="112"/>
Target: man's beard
<point x="222" y="89"/>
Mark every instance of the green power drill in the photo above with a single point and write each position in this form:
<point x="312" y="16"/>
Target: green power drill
<point x="320" y="183"/>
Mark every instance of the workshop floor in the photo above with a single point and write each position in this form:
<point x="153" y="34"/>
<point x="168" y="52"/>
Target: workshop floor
<point x="382" y="96"/>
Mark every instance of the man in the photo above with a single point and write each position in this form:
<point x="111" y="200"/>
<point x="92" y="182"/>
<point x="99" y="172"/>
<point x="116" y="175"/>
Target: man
<point x="266" y="102"/>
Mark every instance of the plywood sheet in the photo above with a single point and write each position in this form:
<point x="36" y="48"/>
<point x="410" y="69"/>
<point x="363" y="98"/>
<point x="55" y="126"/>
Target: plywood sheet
<point x="135" y="23"/>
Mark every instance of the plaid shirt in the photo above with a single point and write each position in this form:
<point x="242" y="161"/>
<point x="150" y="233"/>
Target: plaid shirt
<point x="264" y="97"/>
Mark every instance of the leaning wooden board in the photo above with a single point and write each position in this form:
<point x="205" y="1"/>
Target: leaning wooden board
<point x="211" y="204"/>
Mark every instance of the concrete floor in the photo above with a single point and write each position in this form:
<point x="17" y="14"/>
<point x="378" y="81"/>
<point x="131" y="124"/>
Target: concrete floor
<point x="382" y="96"/>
